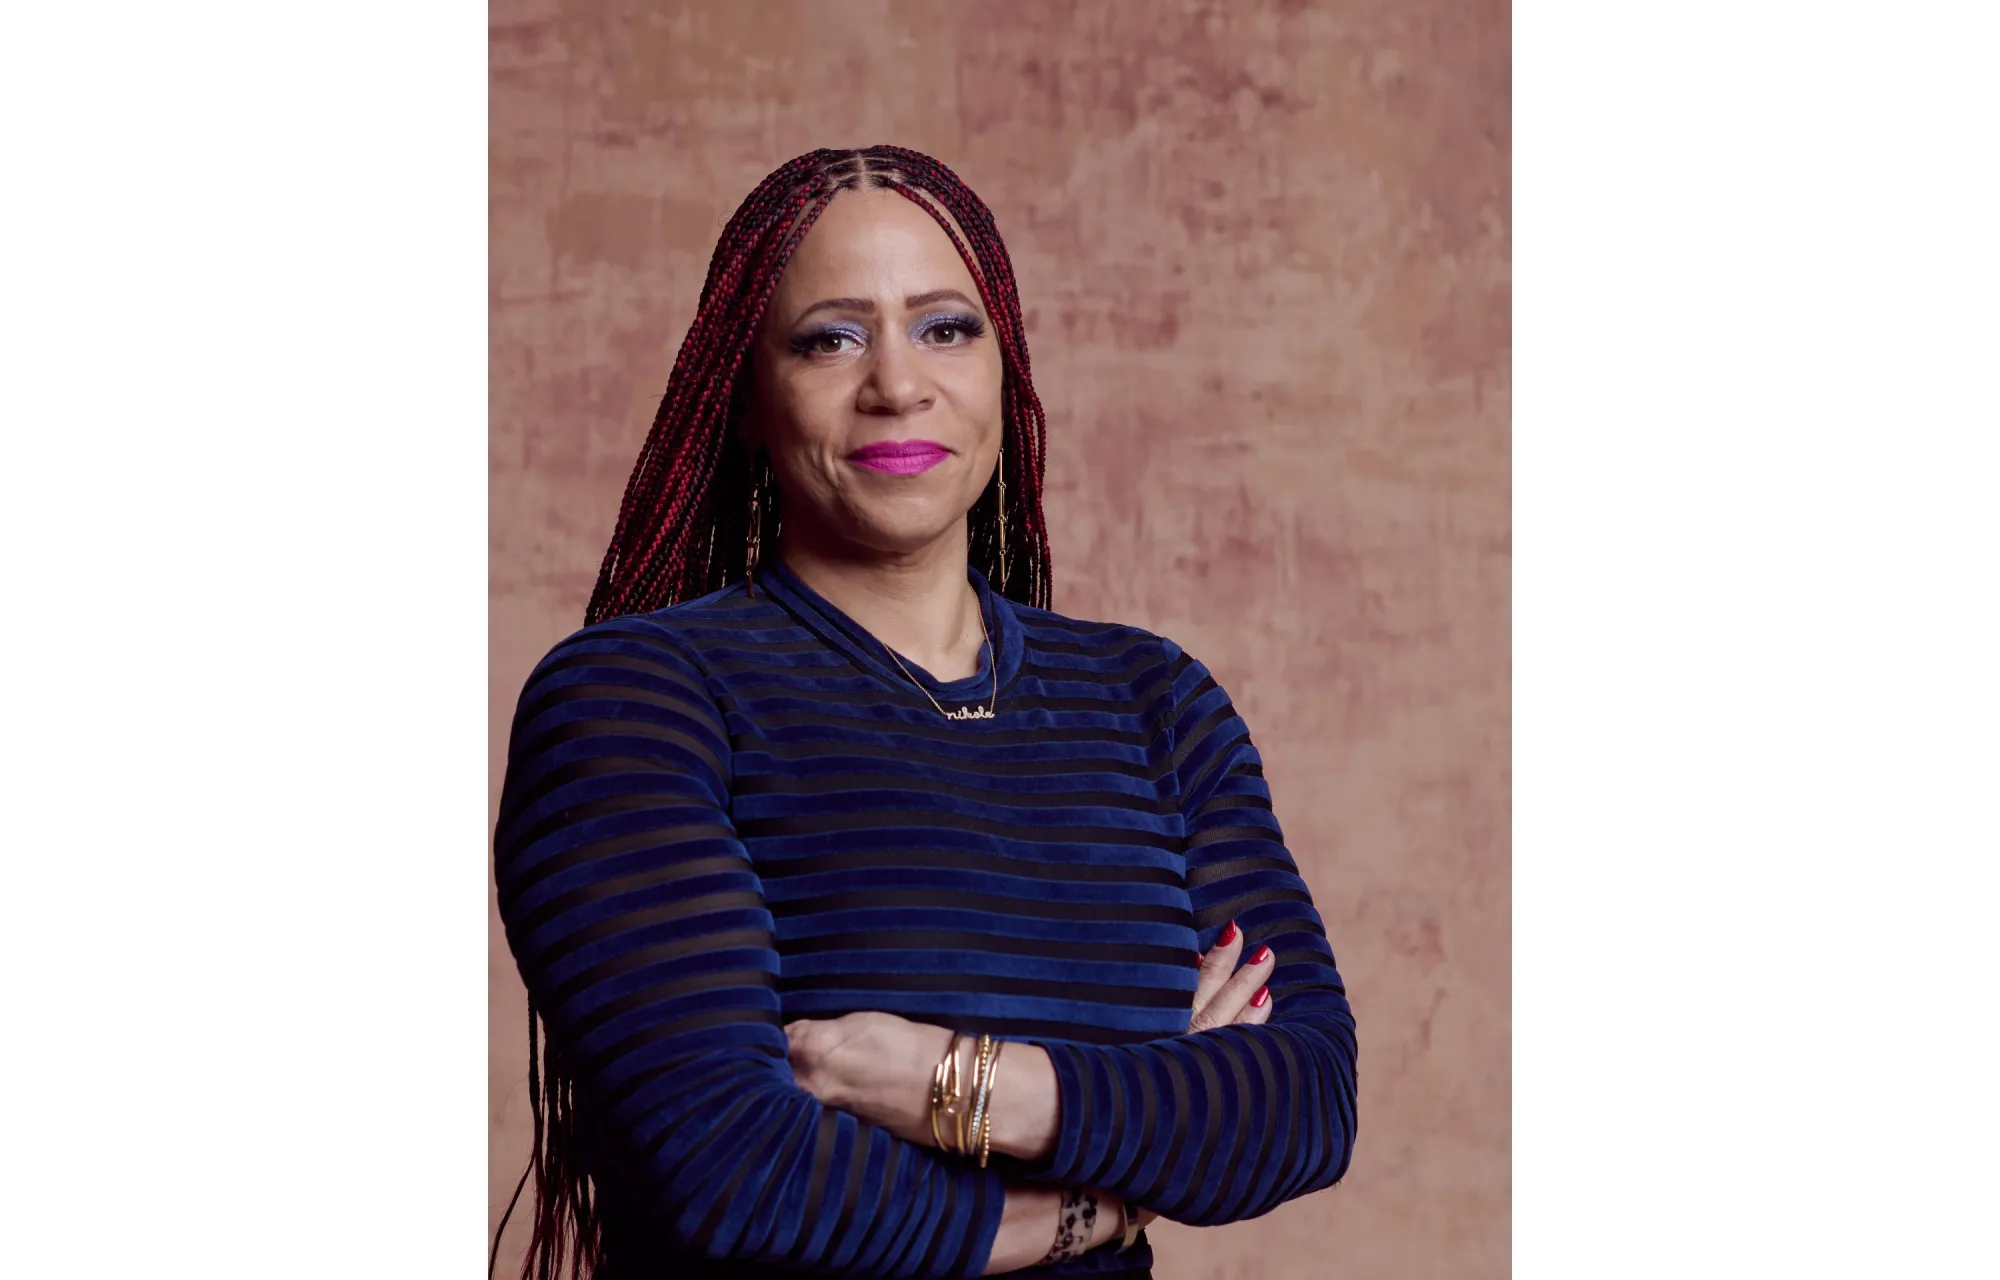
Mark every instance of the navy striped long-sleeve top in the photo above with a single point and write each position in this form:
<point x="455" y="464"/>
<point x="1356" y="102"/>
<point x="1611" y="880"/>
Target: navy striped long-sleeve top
<point x="740" y="811"/>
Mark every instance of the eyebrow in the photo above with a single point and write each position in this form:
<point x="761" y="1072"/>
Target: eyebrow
<point x="867" y="306"/>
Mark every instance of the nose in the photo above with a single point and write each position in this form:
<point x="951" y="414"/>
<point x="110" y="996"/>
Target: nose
<point x="895" y="383"/>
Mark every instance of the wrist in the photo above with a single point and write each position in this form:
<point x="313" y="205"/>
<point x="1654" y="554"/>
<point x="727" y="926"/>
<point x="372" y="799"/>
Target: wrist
<point x="1079" y="1225"/>
<point x="1109" y="1227"/>
<point x="965" y="1100"/>
<point x="1026" y="1104"/>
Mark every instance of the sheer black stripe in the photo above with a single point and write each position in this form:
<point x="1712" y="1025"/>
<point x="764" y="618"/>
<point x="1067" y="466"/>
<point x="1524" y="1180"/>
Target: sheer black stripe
<point x="965" y="860"/>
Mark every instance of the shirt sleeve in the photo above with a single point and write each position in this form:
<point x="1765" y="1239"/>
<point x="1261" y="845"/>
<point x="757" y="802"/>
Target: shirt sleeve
<point x="1226" y="1124"/>
<point x="640" y="927"/>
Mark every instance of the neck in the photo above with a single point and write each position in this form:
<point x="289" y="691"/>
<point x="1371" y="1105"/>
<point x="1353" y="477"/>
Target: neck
<point x="918" y="603"/>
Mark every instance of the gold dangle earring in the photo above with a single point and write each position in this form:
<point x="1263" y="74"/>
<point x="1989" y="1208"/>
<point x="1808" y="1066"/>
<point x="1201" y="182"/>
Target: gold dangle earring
<point x="1000" y="475"/>
<point x="754" y="537"/>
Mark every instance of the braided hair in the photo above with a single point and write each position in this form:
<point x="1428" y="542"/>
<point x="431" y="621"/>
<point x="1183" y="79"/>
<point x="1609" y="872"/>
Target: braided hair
<point x="684" y="525"/>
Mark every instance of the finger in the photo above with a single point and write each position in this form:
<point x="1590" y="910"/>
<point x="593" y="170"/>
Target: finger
<point x="1216" y="967"/>
<point x="1254" y="1014"/>
<point x="1234" y="995"/>
<point x="799" y="1033"/>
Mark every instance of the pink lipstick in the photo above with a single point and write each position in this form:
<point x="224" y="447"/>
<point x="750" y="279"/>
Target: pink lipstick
<point x="899" y="457"/>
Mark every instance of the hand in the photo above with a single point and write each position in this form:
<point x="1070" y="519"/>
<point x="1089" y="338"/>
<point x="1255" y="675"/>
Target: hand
<point x="1225" y="995"/>
<point x="875" y="1066"/>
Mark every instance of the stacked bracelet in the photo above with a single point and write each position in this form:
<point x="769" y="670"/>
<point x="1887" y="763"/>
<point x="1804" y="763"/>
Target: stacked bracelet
<point x="970" y="1126"/>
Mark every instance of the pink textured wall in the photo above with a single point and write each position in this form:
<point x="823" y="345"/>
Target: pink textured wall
<point x="1263" y="251"/>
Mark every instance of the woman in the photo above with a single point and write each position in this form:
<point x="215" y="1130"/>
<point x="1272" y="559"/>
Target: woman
<point x="863" y="899"/>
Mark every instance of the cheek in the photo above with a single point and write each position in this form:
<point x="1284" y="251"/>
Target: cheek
<point x="975" y="390"/>
<point x="789" y="417"/>
<point x="803" y="428"/>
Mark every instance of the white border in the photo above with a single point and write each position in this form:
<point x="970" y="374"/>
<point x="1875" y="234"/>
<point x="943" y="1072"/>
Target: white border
<point x="1757" y="625"/>
<point x="244" y="504"/>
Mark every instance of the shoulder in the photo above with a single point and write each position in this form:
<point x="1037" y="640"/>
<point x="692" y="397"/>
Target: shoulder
<point x="686" y="630"/>
<point x="1120" y="646"/>
<point x="1046" y="627"/>
<point x="636" y="648"/>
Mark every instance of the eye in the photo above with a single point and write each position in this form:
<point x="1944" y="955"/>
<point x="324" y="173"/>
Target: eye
<point x="825" y="342"/>
<point x="951" y="331"/>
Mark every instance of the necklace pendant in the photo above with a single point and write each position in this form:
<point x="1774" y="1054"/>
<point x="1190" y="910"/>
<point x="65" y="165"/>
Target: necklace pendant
<point x="970" y="713"/>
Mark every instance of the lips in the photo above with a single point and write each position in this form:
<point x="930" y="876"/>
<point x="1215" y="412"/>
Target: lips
<point x="899" y="457"/>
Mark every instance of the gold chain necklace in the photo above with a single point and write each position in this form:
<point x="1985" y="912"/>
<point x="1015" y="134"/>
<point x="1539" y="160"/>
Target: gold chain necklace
<point x="963" y="713"/>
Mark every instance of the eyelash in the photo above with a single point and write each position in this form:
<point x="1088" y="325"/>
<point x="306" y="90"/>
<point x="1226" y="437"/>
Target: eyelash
<point x="806" y="344"/>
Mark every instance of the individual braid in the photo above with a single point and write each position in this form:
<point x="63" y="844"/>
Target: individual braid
<point x="566" y="1222"/>
<point x="683" y="522"/>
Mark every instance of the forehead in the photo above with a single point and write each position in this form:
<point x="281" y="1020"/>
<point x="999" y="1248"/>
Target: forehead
<point x="873" y="244"/>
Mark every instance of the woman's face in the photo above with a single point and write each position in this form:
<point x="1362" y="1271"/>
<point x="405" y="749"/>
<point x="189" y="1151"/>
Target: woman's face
<point x="876" y="382"/>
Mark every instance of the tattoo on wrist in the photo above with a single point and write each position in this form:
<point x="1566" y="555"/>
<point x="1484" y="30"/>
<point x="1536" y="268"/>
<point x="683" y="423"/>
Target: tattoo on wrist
<point x="1075" y="1222"/>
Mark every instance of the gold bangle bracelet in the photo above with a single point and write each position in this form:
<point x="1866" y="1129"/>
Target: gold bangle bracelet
<point x="969" y="1138"/>
<point x="937" y="1102"/>
<point x="986" y="1133"/>
<point x="979" y="1067"/>
<point x="945" y="1095"/>
<point x="959" y="1097"/>
<point x="1131" y="1225"/>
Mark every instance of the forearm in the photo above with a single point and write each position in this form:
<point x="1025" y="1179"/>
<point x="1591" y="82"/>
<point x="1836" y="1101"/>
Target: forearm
<point x="1213" y="1127"/>
<point x="1294" y="1082"/>
<point x="786" y="1181"/>
<point x="1302" y="1071"/>
<point x="1204" y="1128"/>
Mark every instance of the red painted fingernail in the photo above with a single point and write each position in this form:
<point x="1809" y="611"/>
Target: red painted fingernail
<point x="1199" y="959"/>
<point x="1228" y="935"/>
<point x="1262" y="998"/>
<point x="1263" y="954"/>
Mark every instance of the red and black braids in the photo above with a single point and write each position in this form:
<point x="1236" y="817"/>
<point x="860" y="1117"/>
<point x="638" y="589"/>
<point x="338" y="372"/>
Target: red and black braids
<point x="684" y="522"/>
<point x="683" y="526"/>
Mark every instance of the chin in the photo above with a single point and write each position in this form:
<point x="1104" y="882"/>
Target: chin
<point x="906" y="526"/>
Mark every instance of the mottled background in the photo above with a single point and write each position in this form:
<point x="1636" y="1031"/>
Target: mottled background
<point x="1263" y="251"/>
